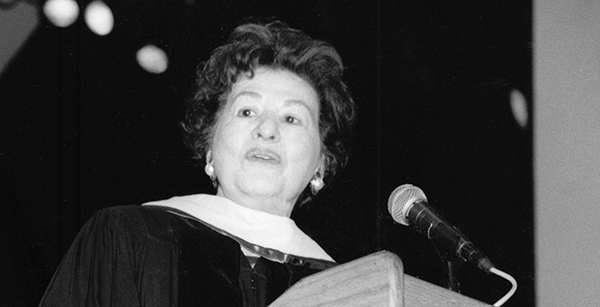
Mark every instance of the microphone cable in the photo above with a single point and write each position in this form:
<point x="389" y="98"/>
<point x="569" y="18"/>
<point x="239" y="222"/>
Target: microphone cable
<point x="512" y="290"/>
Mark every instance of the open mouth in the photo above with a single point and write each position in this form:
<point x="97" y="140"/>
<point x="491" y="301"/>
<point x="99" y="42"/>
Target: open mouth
<point x="263" y="155"/>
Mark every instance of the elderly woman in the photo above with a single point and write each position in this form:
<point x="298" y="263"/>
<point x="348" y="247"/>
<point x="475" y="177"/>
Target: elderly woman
<point x="270" y="116"/>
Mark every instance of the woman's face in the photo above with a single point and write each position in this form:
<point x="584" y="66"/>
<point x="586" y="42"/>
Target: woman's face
<point x="266" y="147"/>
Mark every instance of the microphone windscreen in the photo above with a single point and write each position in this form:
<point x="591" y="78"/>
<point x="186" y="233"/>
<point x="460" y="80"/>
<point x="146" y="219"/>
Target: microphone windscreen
<point x="401" y="201"/>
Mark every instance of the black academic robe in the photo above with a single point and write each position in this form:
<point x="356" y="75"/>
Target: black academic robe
<point x="147" y="256"/>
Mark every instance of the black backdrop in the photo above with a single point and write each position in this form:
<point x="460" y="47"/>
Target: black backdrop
<point x="83" y="127"/>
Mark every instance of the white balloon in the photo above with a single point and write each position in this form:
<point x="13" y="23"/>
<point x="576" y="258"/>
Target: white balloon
<point x="99" y="18"/>
<point x="62" y="13"/>
<point x="518" y="104"/>
<point x="152" y="59"/>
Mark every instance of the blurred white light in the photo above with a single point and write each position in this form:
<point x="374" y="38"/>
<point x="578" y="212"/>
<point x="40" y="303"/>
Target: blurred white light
<point x="62" y="13"/>
<point x="99" y="18"/>
<point x="152" y="59"/>
<point x="518" y="105"/>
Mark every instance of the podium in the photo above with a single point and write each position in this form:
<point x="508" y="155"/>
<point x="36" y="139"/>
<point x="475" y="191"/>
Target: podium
<point x="374" y="280"/>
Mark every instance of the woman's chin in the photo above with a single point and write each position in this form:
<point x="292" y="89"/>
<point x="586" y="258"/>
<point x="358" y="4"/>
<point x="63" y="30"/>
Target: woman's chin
<point x="261" y="186"/>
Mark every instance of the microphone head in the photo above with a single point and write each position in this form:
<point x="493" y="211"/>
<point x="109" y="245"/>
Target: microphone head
<point x="402" y="199"/>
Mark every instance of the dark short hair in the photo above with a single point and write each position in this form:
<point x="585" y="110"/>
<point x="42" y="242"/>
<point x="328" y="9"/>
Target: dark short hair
<point x="276" y="46"/>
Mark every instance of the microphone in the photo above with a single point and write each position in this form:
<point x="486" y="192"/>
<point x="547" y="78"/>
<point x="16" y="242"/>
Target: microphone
<point x="408" y="206"/>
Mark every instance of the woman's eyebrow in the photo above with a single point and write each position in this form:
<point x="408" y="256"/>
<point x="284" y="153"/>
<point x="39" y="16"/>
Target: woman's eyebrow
<point x="246" y="93"/>
<point x="303" y="104"/>
<point x="297" y="102"/>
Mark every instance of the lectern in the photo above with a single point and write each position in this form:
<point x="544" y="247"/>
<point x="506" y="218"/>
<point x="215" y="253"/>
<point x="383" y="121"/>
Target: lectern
<point x="370" y="281"/>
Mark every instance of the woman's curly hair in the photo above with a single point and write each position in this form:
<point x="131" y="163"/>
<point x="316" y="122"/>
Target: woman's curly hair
<point x="276" y="46"/>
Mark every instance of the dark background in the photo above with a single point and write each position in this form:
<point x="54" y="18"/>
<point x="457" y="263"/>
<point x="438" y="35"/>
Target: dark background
<point x="83" y="127"/>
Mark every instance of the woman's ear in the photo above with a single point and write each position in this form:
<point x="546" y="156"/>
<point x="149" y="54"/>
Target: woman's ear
<point x="209" y="156"/>
<point x="322" y="166"/>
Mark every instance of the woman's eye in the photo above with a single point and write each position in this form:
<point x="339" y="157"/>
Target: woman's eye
<point x="292" y="120"/>
<point x="245" y="113"/>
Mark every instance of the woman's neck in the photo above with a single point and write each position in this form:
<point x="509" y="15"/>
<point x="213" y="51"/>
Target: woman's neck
<point x="271" y="205"/>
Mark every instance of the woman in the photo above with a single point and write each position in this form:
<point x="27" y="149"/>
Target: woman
<point x="270" y="117"/>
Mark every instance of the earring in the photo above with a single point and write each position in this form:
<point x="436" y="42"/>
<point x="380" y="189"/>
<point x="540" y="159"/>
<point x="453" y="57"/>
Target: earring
<point x="209" y="169"/>
<point x="316" y="184"/>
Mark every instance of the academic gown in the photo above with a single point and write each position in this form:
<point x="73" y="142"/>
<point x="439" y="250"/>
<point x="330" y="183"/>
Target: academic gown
<point x="149" y="256"/>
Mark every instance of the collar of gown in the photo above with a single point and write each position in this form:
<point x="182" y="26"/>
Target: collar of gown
<point x="257" y="227"/>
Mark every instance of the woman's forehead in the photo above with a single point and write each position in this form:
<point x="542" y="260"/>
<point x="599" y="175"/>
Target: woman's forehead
<point x="284" y="83"/>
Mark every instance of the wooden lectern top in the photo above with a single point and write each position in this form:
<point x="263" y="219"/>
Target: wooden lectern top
<point x="374" y="280"/>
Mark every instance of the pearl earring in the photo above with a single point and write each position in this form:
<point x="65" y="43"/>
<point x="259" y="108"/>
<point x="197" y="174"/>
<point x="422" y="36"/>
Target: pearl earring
<point x="317" y="183"/>
<point x="209" y="169"/>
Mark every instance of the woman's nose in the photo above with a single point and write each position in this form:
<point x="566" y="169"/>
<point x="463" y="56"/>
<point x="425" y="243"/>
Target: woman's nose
<point x="267" y="128"/>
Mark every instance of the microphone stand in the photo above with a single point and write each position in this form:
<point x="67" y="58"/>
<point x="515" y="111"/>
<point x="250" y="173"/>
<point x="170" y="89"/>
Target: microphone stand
<point x="452" y="282"/>
<point x="452" y="265"/>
